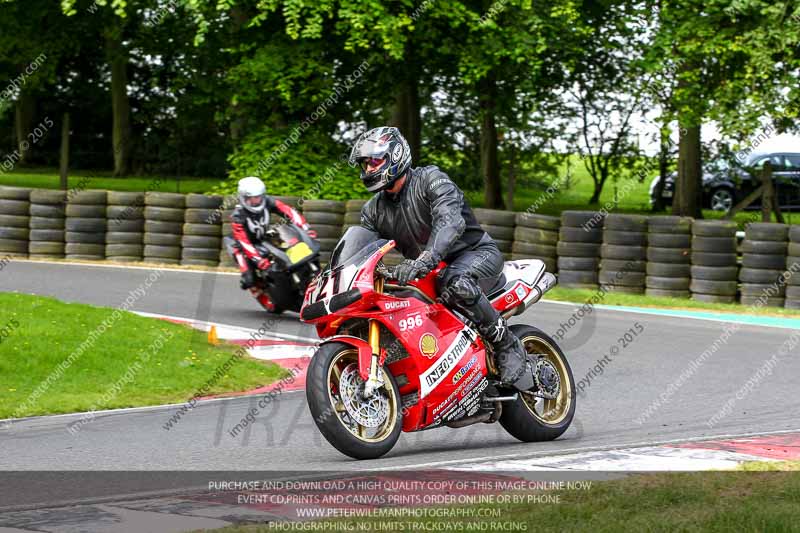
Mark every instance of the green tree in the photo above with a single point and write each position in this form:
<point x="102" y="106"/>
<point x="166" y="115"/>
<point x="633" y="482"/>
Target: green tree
<point x="727" y="60"/>
<point x="34" y="37"/>
<point x="607" y="92"/>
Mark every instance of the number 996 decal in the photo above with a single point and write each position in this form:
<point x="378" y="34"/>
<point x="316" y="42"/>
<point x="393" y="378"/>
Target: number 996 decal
<point x="411" y="322"/>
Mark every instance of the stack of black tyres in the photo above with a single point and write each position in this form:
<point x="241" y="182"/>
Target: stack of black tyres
<point x="202" y="230"/>
<point x="163" y="227"/>
<point x="326" y="217"/>
<point x="352" y="213"/>
<point x="125" y="226"/>
<point x="763" y="264"/>
<point x="86" y="225"/>
<point x="536" y="237"/>
<point x="714" y="267"/>
<point x="793" y="269"/>
<point x="14" y="220"/>
<point x="669" y="248"/>
<point x="47" y="224"/>
<point x="291" y="201"/>
<point x="623" y="253"/>
<point x="228" y="205"/>
<point x="578" y="248"/>
<point x="500" y="225"/>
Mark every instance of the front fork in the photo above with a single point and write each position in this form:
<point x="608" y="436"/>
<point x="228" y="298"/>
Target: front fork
<point x="375" y="379"/>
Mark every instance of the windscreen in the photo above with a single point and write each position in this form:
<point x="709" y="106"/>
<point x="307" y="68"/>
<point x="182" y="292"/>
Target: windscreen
<point x="356" y="244"/>
<point x="287" y="234"/>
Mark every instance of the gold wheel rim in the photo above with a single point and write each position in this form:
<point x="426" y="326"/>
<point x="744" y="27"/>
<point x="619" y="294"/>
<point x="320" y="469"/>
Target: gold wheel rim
<point x="550" y="412"/>
<point x="343" y="359"/>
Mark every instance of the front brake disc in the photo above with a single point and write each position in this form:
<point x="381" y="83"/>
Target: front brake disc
<point x="368" y="412"/>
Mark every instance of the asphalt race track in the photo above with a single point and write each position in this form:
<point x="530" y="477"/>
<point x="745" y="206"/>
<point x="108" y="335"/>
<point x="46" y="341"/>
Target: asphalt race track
<point x="284" y="437"/>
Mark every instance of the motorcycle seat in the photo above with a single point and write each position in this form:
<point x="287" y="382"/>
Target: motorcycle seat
<point x="526" y="271"/>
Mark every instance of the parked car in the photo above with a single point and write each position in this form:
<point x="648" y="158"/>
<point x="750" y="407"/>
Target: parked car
<point x="725" y="185"/>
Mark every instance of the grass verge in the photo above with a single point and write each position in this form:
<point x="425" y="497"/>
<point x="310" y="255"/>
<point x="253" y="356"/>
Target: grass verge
<point x="136" y="361"/>
<point x="686" y="502"/>
<point x="771" y="466"/>
<point x="48" y="179"/>
<point x="580" y="296"/>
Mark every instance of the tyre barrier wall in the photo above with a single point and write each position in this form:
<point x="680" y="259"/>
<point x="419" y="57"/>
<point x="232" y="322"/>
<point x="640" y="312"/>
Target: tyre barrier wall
<point x="660" y="256"/>
<point x="623" y="253"/>
<point x="86" y="225"/>
<point x="763" y="264"/>
<point x="47" y="224"/>
<point x="536" y="236"/>
<point x="14" y="221"/>
<point x="125" y="226"/>
<point x="500" y="225"/>
<point x="226" y="230"/>
<point x="202" y="230"/>
<point x="352" y="213"/>
<point x="327" y="219"/>
<point x="792" y="264"/>
<point x="714" y="261"/>
<point x="164" y="215"/>
<point x="580" y="239"/>
<point x="669" y="248"/>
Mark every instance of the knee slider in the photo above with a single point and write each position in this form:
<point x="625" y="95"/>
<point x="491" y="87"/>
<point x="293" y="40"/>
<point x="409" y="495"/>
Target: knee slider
<point x="463" y="290"/>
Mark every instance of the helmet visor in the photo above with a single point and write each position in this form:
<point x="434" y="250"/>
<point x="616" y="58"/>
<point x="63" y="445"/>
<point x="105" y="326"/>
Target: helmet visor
<point x="368" y="148"/>
<point x="372" y="164"/>
<point x="254" y="201"/>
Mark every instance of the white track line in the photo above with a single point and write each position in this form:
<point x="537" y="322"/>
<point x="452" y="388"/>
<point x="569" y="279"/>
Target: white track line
<point x="245" y="331"/>
<point x="646" y="444"/>
<point x="665" y="311"/>
<point x="650" y="459"/>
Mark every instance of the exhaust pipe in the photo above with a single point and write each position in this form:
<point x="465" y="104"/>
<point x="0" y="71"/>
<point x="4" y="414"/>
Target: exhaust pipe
<point x="469" y="420"/>
<point x="545" y="283"/>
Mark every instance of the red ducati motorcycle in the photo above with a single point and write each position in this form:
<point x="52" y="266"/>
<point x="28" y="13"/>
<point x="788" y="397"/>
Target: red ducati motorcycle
<point x="395" y="359"/>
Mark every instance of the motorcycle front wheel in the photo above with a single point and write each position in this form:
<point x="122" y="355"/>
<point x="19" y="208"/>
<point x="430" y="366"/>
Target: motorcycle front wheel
<point x="362" y="428"/>
<point x="542" y="415"/>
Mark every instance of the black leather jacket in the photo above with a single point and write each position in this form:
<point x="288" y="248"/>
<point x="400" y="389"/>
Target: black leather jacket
<point x="429" y="213"/>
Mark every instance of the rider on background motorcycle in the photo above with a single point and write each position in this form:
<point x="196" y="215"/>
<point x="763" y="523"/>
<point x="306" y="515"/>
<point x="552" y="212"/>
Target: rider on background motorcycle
<point x="426" y="214"/>
<point x="250" y="221"/>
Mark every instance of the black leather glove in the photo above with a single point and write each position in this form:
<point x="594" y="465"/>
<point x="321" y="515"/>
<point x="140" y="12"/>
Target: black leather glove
<point x="415" y="268"/>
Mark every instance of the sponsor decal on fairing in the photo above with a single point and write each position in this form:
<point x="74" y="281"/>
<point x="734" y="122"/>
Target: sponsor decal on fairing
<point x="393" y="306"/>
<point x="433" y="376"/>
<point x="464" y="369"/>
<point x="428" y="345"/>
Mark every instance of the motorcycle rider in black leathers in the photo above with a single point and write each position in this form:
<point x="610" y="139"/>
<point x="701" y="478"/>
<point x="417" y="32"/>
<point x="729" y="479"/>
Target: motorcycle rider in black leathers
<point x="427" y="216"/>
<point x="249" y="224"/>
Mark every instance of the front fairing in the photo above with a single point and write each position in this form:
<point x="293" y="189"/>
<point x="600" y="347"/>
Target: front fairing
<point x="348" y="279"/>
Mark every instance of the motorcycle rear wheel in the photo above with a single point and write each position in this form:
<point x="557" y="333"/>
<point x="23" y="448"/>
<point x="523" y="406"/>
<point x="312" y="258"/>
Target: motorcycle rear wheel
<point x="532" y="419"/>
<point x="333" y="381"/>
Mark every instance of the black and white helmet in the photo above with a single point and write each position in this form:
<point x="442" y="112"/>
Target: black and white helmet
<point x="383" y="155"/>
<point x="252" y="194"/>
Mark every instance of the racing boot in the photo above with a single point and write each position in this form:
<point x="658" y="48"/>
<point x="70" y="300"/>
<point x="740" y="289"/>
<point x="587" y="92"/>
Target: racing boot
<point x="511" y="357"/>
